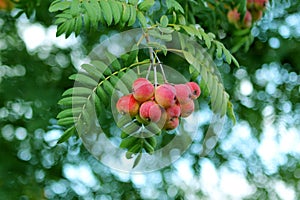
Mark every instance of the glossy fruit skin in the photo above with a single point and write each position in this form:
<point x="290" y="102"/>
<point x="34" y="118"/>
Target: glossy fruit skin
<point x="142" y="89"/>
<point x="187" y="109"/>
<point x="155" y="113"/>
<point x="165" y="95"/>
<point x="163" y="106"/>
<point x="183" y="93"/>
<point x="150" y="111"/>
<point x="173" y="111"/>
<point x="128" y="105"/>
<point x="195" y="89"/>
<point x="171" y="123"/>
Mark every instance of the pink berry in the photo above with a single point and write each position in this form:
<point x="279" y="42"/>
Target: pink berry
<point x="165" y="95"/>
<point x="150" y="111"/>
<point x="127" y="105"/>
<point x="187" y="109"/>
<point x="183" y="93"/>
<point x="196" y="91"/>
<point x="142" y="89"/>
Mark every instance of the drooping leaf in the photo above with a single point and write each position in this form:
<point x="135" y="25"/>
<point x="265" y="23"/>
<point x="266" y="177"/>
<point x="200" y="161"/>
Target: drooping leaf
<point x="84" y="79"/>
<point x="116" y="8"/>
<point x="164" y="21"/>
<point x="67" y="134"/>
<point x="107" y="12"/>
<point x="59" y="6"/>
<point x="142" y="18"/>
<point x="174" y="4"/>
<point x="91" y="13"/>
<point x="69" y="112"/>
<point x="132" y="17"/>
<point x="137" y="160"/>
<point x="66" y="121"/>
<point x="77" y="91"/>
<point x="145" y="5"/>
<point x="68" y="101"/>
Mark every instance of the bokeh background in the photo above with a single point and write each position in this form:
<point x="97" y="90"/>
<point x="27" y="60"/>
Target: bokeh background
<point x="258" y="158"/>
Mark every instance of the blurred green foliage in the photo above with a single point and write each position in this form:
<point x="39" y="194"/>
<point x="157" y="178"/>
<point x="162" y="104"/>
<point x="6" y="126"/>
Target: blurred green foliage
<point x="260" y="148"/>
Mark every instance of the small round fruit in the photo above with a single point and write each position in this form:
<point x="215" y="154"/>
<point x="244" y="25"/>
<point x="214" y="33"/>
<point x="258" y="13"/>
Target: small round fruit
<point x="247" y="22"/>
<point x="187" y="109"/>
<point x="142" y="89"/>
<point x="165" y="95"/>
<point x="183" y="93"/>
<point x="196" y="91"/>
<point x="155" y="113"/>
<point x="150" y="111"/>
<point x="171" y="124"/>
<point x="233" y="16"/>
<point x="173" y="111"/>
<point x="128" y="105"/>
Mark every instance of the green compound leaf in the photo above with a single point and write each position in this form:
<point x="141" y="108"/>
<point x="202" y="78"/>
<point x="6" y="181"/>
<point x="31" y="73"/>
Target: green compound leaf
<point x="84" y="79"/>
<point x="210" y="80"/>
<point x="164" y="21"/>
<point x="146" y="5"/>
<point x="116" y="9"/>
<point x="142" y="18"/>
<point x="209" y="40"/>
<point x="172" y="4"/>
<point x="76" y="14"/>
<point x="107" y="12"/>
<point x="132" y="17"/>
<point x="137" y="160"/>
<point x="59" y="6"/>
<point x="67" y="134"/>
<point x="77" y="91"/>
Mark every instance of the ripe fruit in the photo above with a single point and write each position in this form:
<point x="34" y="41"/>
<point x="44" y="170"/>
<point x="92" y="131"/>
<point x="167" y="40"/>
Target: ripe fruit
<point x="256" y="14"/>
<point x="150" y="110"/>
<point x="172" y="123"/>
<point x="183" y="93"/>
<point x="128" y="105"/>
<point x="162" y="105"/>
<point x="247" y="22"/>
<point x="142" y="89"/>
<point x="6" y="5"/>
<point x="196" y="91"/>
<point x="173" y="111"/>
<point x="165" y="95"/>
<point x="260" y="4"/>
<point x="187" y="109"/>
<point x="233" y="17"/>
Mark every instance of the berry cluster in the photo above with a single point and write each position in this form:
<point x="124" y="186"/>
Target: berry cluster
<point x="163" y="105"/>
<point x="253" y="13"/>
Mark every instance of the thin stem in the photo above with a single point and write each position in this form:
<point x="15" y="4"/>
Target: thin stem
<point x="161" y="68"/>
<point x="155" y="76"/>
<point x="148" y="71"/>
<point x="140" y="40"/>
<point x="152" y="61"/>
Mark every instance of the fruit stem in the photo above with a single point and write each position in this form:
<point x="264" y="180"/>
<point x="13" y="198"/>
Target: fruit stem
<point x="148" y="72"/>
<point x="155" y="76"/>
<point x="161" y="68"/>
<point x="152" y="62"/>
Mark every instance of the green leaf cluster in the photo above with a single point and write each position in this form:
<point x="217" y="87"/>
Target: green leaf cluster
<point x="75" y="15"/>
<point x="211" y="82"/>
